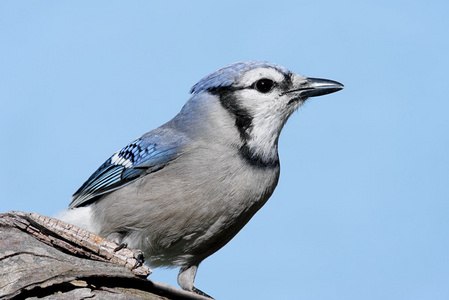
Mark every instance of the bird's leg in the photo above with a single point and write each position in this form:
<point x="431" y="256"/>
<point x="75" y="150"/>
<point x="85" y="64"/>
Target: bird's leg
<point x="117" y="237"/>
<point x="186" y="277"/>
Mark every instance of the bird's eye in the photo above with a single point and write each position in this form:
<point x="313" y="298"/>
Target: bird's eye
<point x="264" y="85"/>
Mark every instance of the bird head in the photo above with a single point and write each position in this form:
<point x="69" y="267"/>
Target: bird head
<point x="261" y="96"/>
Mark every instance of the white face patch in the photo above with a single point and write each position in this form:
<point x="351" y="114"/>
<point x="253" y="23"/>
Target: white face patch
<point x="263" y="98"/>
<point x="252" y="76"/>
<point x="269" y="111"/>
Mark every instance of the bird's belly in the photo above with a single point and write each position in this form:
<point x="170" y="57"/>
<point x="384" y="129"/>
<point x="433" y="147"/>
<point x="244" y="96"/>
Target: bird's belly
<point x="181" y="216"/>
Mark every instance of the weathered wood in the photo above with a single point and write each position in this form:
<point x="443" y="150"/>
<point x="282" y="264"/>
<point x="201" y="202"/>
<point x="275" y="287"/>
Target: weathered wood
<point x="45" y="258"/>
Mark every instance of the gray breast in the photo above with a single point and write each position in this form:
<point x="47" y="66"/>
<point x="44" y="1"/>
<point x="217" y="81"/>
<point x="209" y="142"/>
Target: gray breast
<point x="190" y="208"/>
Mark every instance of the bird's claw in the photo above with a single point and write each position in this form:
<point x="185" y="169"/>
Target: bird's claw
<point x="120" y="247"/>
<point x="138" y="254"/>
<point x="200" y="292"/>
<point x="140" y="258"/>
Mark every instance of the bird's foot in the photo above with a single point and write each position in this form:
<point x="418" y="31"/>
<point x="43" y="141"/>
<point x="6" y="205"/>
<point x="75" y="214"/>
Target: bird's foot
<point x="200" y="292"/>
<point x="140" y="258"/>
<point x="186" y="279"/>
<point x="138" y="254"/>
<point x="120" y="247"/>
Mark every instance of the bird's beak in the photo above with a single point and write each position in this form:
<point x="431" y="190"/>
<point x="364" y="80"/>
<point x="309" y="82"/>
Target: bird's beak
<point x="314" y="87"/>
<point x="320" y="87"/>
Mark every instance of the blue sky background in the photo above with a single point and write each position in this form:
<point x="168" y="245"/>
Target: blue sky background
<point x="361" y="209"/>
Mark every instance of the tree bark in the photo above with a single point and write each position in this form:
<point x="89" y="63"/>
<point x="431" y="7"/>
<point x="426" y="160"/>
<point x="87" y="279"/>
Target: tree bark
<point x="45" y="258"/>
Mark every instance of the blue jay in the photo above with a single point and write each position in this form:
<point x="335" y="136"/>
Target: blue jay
<point x="182" y="191"/>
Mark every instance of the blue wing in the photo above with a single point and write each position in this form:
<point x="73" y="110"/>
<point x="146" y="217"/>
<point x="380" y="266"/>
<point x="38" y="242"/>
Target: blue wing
<point x="124" y="167"/>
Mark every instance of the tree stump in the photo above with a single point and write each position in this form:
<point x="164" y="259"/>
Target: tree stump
<point x="45" y="258"/>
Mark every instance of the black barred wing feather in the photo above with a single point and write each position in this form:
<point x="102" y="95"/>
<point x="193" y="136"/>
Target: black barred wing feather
<point x="122" y="168"/>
